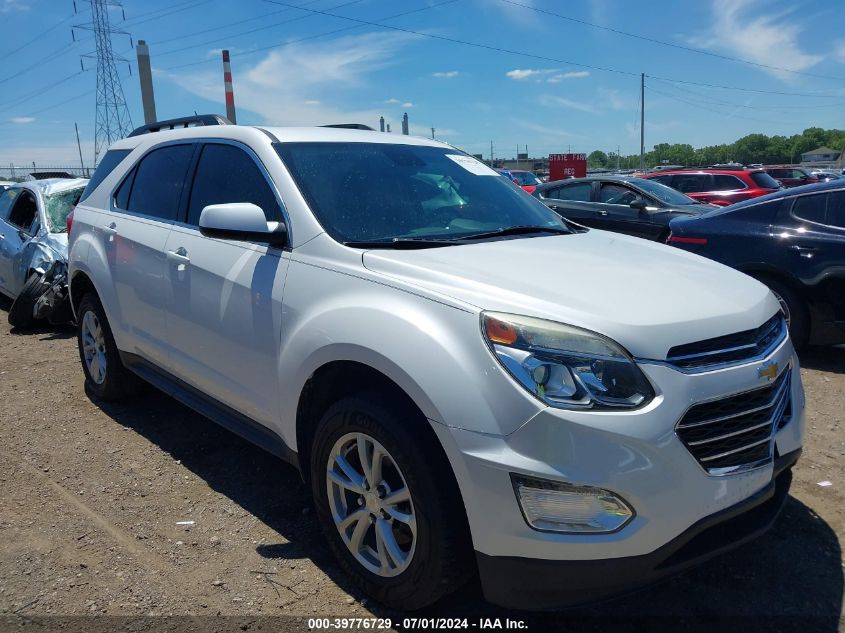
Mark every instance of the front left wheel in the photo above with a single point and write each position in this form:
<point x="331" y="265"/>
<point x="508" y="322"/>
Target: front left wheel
<point x="388" y="504"/>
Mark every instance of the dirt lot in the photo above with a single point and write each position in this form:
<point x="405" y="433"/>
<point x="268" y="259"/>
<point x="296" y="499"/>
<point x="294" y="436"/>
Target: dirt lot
<point x="93" y="496"/>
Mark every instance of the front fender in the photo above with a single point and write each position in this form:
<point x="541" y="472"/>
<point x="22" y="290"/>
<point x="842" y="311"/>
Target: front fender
<point x="433" y="351"/>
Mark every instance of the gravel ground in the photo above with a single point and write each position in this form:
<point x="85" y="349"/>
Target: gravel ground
<point x="94" y="498"/>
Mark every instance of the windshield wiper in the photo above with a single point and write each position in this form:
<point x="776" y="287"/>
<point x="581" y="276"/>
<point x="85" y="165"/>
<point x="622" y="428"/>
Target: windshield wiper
<point x="519" y="229"/>
<point x="400" y="243"/>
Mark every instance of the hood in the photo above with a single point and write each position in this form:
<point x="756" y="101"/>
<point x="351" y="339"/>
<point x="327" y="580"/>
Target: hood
<point x="647" y="296"/>
<point x="58" y="242"/>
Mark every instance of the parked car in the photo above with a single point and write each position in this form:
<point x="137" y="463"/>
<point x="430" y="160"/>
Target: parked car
<point x="825" y="175"/>
<point x="467" y="383"/>
<point x="790" y="176"/>
<point x="525" y="179"/>
<point x="5" y="184"/>
<point x="794" y="242"/>
<point x="718" y="186"/>
<point x="624" y="204"/>
<point x="33" y="237"/>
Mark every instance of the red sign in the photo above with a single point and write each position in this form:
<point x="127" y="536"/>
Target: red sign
<point x="567" y="166"/>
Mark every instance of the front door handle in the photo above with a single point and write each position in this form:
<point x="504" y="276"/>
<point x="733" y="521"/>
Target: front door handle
<point x="110" y="229"/>
<point x="180" y="255"/>
<point x="805" y="251"/>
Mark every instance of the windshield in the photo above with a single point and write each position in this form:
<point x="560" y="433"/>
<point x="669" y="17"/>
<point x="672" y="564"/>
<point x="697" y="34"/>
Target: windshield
<point x="665" y="194"/>
<point x="525" y="178"/>
<point x="383" y="191"/>
<point x="58" y="206"/>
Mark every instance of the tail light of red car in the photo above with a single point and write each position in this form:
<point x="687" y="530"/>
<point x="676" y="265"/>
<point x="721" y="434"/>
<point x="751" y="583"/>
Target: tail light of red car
<point x="69" y="221"/>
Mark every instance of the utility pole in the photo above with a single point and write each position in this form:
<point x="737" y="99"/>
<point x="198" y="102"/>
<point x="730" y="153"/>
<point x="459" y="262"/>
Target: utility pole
<point x="491" y="153"/>
<point x="79" y="147"/>
<point x="432" y="132"/>
<point x="642" y="121"/>
<point x="617" y="158"/>
<point x="112" y="120"/>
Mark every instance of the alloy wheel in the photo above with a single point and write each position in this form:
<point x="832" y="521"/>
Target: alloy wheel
<point x="371" y="505"/>
<point x="94" y="347"/>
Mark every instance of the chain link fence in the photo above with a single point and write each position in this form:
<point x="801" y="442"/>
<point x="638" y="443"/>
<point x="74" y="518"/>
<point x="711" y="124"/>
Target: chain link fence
<point x="17" y="173"/>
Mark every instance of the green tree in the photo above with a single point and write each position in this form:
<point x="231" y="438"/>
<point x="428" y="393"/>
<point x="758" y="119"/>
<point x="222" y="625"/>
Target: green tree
<point x="597" y="158"/>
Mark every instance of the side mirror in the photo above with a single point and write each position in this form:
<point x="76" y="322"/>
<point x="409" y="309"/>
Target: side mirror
<point x="639" y="204"/>
<point x="241" y="221"/>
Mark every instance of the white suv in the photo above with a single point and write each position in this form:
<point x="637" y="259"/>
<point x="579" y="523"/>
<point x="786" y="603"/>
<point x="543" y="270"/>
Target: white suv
<point x="469" y="383"/>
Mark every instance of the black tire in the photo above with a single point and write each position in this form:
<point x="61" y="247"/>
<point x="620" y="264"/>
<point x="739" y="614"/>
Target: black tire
<point x="441" y="561"/>
<point x="21" y="313"/>
<point x="118" y="381"/>
<point x="798" y="313"/>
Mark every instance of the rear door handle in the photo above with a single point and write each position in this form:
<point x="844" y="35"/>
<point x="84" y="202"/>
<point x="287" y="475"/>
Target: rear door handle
<point x="180" y="255"/>
<point x="110" y="229"/>
<point x="805" y="251"/>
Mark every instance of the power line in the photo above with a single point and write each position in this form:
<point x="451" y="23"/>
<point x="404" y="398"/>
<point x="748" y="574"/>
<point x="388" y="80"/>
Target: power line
<point x="499" y="49"/>
<point x="4" y="107"/>
<point x="41" y="34"/>
<point x="670" y="44"/>
<point x="720" y="112"/>
<point x="225" y="26"/>
<point x="750" y="107"/>
<point x="250" y="31"/>
<point x="311" y="37"/>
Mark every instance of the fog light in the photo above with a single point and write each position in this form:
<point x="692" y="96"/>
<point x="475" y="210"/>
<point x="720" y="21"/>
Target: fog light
<point x="550" y="506"/>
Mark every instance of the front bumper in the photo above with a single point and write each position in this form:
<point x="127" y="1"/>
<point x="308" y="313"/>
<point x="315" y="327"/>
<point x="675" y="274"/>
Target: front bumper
<point x="530" y="583"/>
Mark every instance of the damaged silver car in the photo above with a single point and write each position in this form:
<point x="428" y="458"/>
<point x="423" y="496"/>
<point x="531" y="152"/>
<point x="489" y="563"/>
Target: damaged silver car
<point x="33" y="248"/>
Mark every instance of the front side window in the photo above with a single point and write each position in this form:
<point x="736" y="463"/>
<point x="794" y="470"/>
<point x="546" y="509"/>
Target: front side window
<point x="662" y="192"/>
<point x="24" y="214"/>
<point x="387" y="191"/>
<point x="226" y="173"/>
<point x="811" y="208"/>
<point x="157" y="181"/>
<point x="58" y="206"/>
<point x="616" y="194"/>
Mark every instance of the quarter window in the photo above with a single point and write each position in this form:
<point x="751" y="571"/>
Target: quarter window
<point x="226" y="173"/>
<point x="810" y="208"/>
<point x="111" y="160"/>
<point x="579" y="192"/>
<point x="157" y="182"/>
<point x="724" y="182"/>
<point x="836" y="209"/>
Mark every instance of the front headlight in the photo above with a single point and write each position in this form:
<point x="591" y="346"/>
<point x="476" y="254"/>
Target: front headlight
<point x="566" y="366"/>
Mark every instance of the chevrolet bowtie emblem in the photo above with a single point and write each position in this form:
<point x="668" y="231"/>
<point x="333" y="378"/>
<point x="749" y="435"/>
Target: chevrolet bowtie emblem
<point x="769" y="371"/>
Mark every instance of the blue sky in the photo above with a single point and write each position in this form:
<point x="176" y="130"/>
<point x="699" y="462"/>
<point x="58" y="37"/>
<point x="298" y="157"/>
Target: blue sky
<point x="299" y="67"/>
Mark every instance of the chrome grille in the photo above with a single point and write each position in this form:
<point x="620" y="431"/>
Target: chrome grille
<point x="736" y="433"/>
<point x="732" y="348"/>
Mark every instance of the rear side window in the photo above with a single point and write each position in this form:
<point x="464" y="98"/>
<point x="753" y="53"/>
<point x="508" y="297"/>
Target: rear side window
<point x="226" y="173"/>
<point x="157" y="182"/>
<point x="24" y="213"/>
<point x="691" y="183"/>
<point x="764" y="180"/>
<point x="579" y="192"/>
<point x="810" y="208"/>
<point x="111" y="160"/>
<point x="724" y="182"/>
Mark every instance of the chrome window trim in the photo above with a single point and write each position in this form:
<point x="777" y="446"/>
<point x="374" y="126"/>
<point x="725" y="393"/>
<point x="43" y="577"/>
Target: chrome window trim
<point x="780" y="340"/>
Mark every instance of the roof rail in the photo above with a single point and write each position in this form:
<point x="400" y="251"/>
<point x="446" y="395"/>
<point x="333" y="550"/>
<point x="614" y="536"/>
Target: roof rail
<point x="185" y="121"/>
<point x="350" y="126"/>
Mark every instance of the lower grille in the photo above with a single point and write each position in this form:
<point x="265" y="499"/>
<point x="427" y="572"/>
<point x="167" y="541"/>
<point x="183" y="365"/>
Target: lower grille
<point x="736" y="433"/>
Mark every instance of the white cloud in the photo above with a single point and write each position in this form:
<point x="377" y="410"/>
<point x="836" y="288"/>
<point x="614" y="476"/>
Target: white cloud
<point x="612" y="99"/>
<point x="839" y="51"/>
<point x="577" y="74"/>
<point x="749" y="30"/>
<point x="520" y="74"/>
<point x="22" y="119"/>
<point x="449" y="74"/>
<point x="277" y="87"/>
<point x="553" y="101"/>
<point x="393" y="101"/>
<point x="407" y="104"/>
<point x="10" y="6"/>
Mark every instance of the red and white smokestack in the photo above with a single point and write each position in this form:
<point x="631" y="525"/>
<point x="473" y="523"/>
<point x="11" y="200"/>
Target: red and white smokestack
<point x="227" y="83"/>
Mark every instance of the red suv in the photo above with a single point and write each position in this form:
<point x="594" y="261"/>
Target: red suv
<point x="790" y="176"/>
<point x="718" y="186"/>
